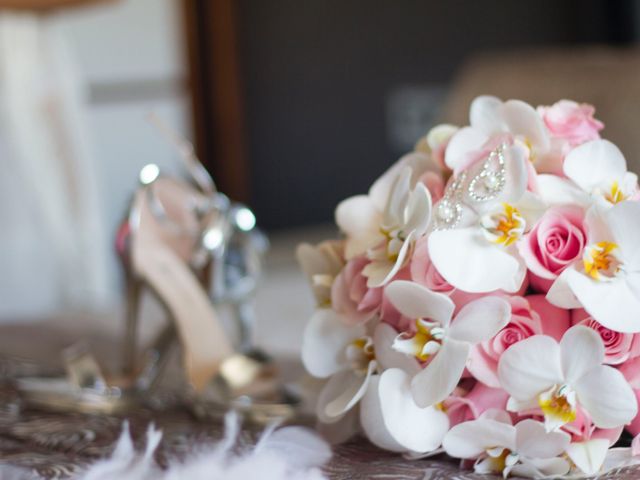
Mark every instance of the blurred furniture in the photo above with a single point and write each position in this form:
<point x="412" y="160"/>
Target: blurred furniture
<point x="217" y="93"/>
<point x="55" y="250"/>
<point x="606" y="77"/>
<point x="45" y="4"/>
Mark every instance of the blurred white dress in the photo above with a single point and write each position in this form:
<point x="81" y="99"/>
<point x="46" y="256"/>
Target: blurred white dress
<point x="53" y="254"/>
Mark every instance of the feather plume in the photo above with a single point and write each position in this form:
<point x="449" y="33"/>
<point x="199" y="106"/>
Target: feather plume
<point x="291" y="453"/>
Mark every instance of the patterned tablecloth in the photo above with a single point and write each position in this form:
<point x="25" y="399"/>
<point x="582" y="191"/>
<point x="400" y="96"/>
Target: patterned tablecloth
<point x="44" y="445"/>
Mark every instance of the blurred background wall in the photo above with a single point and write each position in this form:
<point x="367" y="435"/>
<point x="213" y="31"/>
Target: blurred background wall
<point x="336" y="90"/>
<point x="295" y="105"/>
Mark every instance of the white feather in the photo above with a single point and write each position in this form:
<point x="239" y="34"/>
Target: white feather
<point x="290" y="453"/>
<point x="125" y="463"/>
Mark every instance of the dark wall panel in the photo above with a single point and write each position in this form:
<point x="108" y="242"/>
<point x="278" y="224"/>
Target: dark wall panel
<point x="317" y="73"/>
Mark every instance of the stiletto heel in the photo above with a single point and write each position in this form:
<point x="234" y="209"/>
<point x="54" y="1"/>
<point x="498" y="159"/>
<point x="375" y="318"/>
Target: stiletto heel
<point x="134" y="291"/>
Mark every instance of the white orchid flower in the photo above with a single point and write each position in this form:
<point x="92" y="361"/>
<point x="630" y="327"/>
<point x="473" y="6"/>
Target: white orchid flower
<point x="443" y="342"/>
<point x="485" y="210"/>
<point x="342" y="353"/>
<point x="596" y="173"/>
<point x="392" y="420"/>
<point x="606" y="281"/>
<point x="490" y="117"/>
<point x="539" y="372"/>
<point x="388" y="235"/>
<point x="359" y="217"/>
<point x="321" y="264"/>
<point x="352" y="360"/>
<point x="523" y="450"/>
<point x="589" y="456"/>
<point x="435" y="138"/>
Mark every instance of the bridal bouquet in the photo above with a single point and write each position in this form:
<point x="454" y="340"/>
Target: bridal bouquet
<point x="484" y="300"/>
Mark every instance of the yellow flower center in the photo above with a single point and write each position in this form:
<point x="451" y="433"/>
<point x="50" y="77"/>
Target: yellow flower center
<point x="441" y="407"/>
<point x="497" y="460"/>
<point x="424" y="343"/>
<point x="599" y="259"/>
<point x="504" y="226"/>
<point x="615" y="194"/>
<point x="360" y="353"/>
<point x="394" y="238"/>
<point x="529" y="145"/>
<point x="421" y="338"/>
<point x="558" y="404"/>
<point x="499" y="463"/>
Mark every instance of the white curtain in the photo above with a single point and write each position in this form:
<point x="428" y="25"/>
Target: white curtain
<point x="53" y="248"/>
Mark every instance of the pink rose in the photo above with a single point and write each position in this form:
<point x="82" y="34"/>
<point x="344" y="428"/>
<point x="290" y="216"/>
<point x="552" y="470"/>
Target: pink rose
<point x="618" y="347"/>
<point x="571" y="121"/>
<point x="424" y="272"/>
<point x="464" y="406"/>
<point x="553" y="244"/>
<point x="350" y="295"/>
<point x="532" y="315"/>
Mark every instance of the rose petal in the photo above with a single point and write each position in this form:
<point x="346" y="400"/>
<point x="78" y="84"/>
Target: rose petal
<point x="554" y="321"/>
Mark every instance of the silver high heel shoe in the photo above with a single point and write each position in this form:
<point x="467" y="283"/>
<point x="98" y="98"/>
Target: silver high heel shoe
<point x="223" y="376"/>
<point x="161" y="231"/>
<point x="178" y="242"/>
<point x="229" y="264"/>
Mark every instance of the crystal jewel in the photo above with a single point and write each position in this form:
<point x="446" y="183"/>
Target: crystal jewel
<point x="449" y="209"/>
<point x="490" y="182"/>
